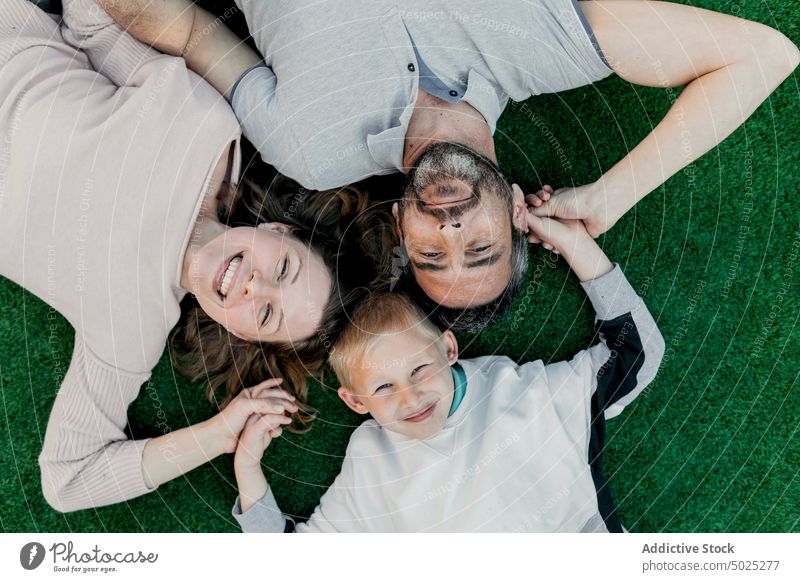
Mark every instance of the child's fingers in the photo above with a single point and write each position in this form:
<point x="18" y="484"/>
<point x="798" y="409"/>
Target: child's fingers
<point x="270" y="422"/>
<point x="533" y="200"/>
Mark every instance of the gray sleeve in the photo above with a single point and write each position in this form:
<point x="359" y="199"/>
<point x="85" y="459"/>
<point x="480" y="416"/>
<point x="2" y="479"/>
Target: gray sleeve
<point x="263" y="517"/>
<point x="629" y="345"/>
<point x="254" y="101"/>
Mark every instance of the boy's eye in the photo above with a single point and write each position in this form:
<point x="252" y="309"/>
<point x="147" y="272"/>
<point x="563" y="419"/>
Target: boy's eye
<point x="383" y="387"/>
<point x="417" y="369"/>
<point x="284" y="268"/>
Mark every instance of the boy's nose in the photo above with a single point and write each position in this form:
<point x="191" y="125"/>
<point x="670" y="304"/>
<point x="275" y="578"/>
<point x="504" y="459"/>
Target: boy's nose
<point x="410" y="398"/>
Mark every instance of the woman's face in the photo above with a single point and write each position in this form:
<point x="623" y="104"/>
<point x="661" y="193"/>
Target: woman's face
<point x="262" y="283"/>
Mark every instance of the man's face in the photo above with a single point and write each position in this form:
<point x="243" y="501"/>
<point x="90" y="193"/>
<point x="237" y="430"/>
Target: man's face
<point x="457" y="234"/>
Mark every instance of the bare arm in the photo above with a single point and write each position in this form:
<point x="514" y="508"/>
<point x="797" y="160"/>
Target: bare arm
<point x="729" y="67"/>
<point x="179" y="28"/>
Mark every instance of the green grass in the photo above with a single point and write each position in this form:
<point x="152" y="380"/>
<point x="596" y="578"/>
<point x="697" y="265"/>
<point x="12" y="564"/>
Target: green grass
<point x="712" y="445"/>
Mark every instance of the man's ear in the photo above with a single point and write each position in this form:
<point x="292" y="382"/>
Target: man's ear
<point x="450" y="346"/>
<point x="520" y="216"/>
<point x="397" y="228"/>
<point x="352" y="401"/>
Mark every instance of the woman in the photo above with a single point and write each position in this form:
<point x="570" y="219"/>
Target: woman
<point x="115" y="165"/>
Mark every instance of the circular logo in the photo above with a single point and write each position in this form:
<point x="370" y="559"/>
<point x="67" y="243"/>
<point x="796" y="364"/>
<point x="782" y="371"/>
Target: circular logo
<point x="31" y="555"/>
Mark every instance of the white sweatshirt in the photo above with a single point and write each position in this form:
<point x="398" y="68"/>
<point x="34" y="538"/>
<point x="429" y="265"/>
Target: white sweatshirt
<point x="521" y="452"/>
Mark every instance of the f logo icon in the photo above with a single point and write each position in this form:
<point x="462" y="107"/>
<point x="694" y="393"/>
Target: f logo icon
<point x="31" y="555"/>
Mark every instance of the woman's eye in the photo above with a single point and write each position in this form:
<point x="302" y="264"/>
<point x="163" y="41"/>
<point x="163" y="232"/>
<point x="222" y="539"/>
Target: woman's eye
<point x="431" y="254"/>
<point x="267" y="313"/>
<point x="482" y="249"/>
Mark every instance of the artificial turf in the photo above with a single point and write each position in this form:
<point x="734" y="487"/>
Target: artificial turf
<point x="712" y="445"/>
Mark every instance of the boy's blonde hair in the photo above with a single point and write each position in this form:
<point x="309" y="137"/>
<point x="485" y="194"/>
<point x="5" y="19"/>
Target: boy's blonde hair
<point x="379" y="315"/>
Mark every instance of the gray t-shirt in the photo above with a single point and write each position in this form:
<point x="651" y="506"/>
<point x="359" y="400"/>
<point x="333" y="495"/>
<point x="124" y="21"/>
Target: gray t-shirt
<point x="333" y="103"/>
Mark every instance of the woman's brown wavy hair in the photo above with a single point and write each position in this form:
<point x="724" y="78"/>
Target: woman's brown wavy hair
<point x="352" y="234"/>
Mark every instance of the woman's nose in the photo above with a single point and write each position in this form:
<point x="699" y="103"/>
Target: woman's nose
<point x="255" y="286"/>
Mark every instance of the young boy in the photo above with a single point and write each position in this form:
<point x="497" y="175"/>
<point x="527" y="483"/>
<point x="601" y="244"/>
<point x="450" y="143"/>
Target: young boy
<point x="472" y="445"/>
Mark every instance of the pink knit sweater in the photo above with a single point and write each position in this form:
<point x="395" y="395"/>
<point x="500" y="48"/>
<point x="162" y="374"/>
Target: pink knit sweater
<point x="106" y="150"/>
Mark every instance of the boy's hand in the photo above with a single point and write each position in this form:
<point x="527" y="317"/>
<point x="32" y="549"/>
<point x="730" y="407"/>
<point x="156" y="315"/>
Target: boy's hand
<point x="263" y="399"/>
<point x="259" y="430"/>
<point x="554" y="234"/>
<point x="587" y="203"/>
<point x="567" y="237"/>
<point x="255" y="438"/>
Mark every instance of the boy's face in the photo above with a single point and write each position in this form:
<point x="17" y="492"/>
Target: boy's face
<point x="404" y="382"/>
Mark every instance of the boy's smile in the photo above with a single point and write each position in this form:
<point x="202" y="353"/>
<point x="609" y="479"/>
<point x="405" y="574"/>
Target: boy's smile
<point x="404" y="381"/>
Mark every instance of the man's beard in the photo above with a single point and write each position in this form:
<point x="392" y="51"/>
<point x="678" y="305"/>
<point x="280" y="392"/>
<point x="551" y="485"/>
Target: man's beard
<point x="438" y="172"/>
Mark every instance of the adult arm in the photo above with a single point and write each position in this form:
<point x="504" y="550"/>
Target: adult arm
<point x="180" y="28"/>
<point x="88" y="460"/>
<point x="112" y="52"/>
<point x="728" y="66"/>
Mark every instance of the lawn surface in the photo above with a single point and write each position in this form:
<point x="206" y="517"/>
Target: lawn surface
<point x="712" y="445"/>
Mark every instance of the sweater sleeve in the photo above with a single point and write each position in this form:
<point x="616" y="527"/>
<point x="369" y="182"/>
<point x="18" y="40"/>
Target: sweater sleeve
<point x="112" y="52"/>
<point x="337" y="512"/>
<point x="87" y="459"/>
<point x="629" y="345"/>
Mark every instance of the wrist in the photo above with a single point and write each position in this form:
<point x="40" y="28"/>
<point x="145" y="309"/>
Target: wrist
<point x="212" y="438"/>
<point x="609" y="198"/>
<point x="587" y="260"/>
<point x="246" y="464"/>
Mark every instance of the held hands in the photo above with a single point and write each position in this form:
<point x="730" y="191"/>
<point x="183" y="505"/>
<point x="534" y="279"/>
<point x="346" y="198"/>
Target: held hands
<point x="263" y="401"/>
<point x="556" y="234"/>
<point x="584" y="203"/>
<point x="258" y="430"/>
<point x="255" y="438"/>
<point x="565" y="236"/>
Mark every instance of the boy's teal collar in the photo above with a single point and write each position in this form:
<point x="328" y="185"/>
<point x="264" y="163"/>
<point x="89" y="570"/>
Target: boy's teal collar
<point x="460" y="384"/>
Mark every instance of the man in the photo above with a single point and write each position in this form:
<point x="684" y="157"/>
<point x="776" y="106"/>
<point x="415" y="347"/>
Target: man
<point x="349" y="91"/>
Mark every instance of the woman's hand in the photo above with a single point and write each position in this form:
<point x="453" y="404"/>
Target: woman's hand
<point x="583" y="203"/>
<point x="264" y="399"/>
